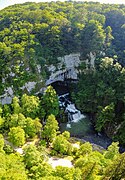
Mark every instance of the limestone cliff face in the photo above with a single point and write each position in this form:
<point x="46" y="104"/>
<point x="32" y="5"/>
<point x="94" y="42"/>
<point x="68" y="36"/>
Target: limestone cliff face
<point x="67" y="66"/>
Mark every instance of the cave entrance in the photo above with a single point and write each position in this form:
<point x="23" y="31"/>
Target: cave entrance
<point x="61" y="87"/>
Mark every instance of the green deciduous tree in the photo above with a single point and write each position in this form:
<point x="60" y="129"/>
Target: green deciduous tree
<point x="50" y="129"/>
<point x="105" y="115"/>
<point x="51" y="178"/>
<point x="61" y="145"/>
<point x="50" y="101"/>
<point x="112" y="151"/>
<point x="84" y="149"/>
<point x="32" y="157"/>
<point x="1" y="122"/>
<point x="32" y="127"/>
<point x="93" y="37"/>
<point x="30" y="106"/>
<point x="1" y="142"/>
<point x="15" y="105"/>
<point x="116" y="170"/>
<point x="68" y="173"/>
<point x="17" y="136"/>
<point x="41" y="170"/>
<point x="12" y="167"/>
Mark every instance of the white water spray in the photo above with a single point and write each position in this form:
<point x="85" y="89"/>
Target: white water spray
<point x="74" y="115"/>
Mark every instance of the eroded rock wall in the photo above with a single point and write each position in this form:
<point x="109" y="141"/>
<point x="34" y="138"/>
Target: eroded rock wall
<point x="67" y="66"/>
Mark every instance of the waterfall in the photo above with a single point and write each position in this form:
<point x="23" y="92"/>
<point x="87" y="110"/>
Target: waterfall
<point x="80" y="125"/>
<point x="74" y="115"/>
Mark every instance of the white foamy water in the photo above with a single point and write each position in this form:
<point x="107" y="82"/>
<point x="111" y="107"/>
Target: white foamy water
<point x="74" y="115"/>
<point x="78" y="116"/>
<point x="68" y="125"/>
<point x="71" y="108"/>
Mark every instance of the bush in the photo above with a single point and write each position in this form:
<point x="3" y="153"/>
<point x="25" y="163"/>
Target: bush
<point x="8" y="149"/>
<point x="42" y="142"/>
<point x="61" y="145"/>
<point x="53" y="152"/>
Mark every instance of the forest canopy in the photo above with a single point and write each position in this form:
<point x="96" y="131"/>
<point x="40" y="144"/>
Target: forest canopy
<point x="19" y="129"/>
<point x="34" y="35"/>
<point x="39" y="33"/>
